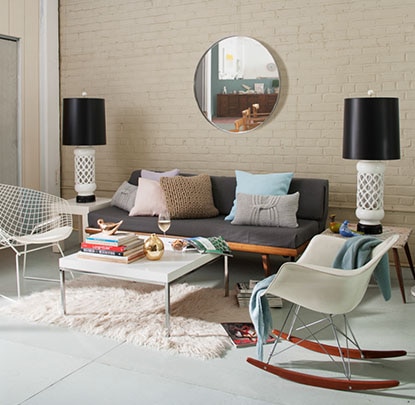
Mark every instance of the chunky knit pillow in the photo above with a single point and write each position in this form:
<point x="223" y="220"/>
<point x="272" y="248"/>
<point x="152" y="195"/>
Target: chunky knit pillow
<point x="189" y="197"/>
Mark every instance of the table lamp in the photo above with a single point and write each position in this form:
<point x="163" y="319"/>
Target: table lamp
<point x="84" y="126"/>
<point x="371" y="135"/>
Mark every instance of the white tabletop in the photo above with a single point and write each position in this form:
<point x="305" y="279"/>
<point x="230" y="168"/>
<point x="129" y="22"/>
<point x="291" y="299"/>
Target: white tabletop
<point x="169" y="268"/>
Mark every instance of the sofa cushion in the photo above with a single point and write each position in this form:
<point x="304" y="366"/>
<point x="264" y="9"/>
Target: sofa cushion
<point x="150" y="198"/>
<point x="266" y="210"/>
<point x="189" y="197"/>
<point x="125" y="196"/>
<point x="260" y="184"/>
<point x="254" y="235"/>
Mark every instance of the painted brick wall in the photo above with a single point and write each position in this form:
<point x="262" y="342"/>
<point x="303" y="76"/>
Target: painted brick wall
<point x="141" y="57"/>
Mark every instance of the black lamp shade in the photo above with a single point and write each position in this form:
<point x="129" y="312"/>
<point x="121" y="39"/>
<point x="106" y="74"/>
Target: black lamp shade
<point x="83" y="121"/>
<point x="371" y="128"/>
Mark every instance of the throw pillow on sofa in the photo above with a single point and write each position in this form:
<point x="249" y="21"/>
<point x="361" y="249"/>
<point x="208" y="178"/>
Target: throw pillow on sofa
<point x="124" y="197"/>
<point x="148" y="174"/>
<point x="260" y="184"/>
<point x="189" y="197"/>
<point x="267" y="210"/>
<point x="150" y="200"/>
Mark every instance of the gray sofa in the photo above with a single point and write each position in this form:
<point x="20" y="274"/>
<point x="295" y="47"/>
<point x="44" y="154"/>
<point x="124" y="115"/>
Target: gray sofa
<point x="264" y="240"/>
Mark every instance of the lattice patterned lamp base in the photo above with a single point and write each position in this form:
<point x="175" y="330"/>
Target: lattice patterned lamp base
<point x="369" y="198"/>
<point x="85" y="174"/>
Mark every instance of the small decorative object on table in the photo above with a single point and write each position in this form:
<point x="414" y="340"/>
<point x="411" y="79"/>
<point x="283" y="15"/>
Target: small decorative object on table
<point x="153" y="247"/>
<point x="109" y="227"/>
<point x="179" y="245"/>
<point x="346" y="231"/>
<point x="334" y="226"/>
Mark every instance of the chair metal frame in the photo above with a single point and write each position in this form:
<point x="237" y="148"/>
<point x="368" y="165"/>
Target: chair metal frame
<point x="311" y="284"/>
<point x="31" y="217"/>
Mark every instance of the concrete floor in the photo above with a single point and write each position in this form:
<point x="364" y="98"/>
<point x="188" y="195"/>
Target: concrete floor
<point x="51" y="365"/>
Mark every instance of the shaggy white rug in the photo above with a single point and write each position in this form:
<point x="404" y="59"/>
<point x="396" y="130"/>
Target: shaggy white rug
<point x="134" y="313"/>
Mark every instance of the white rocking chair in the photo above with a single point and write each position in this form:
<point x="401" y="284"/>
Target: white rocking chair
<point x="31" y="217"/>
<point x="312" y="284"/>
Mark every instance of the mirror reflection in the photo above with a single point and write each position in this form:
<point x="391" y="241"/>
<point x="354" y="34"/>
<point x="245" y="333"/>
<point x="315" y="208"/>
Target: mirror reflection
<point x="237" y="84"/>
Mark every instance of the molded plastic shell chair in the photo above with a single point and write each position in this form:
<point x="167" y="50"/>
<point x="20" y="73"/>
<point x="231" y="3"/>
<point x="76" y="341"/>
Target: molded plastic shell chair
<point x="32" y="218"/>
<point x="312" y="284"/>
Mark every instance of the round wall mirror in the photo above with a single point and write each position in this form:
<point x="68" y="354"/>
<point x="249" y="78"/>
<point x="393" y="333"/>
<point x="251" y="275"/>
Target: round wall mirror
<point x="237" y="84"/>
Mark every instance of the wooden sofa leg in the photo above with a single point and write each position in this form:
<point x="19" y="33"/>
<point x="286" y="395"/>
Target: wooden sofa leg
<point x="266" y="265"/>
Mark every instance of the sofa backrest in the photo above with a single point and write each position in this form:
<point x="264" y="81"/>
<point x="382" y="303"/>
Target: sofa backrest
<point x="314" y="199"/>
<point x="313" y="203"/>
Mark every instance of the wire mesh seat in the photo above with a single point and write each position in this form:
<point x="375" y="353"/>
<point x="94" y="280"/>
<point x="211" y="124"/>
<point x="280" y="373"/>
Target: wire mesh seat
<point x="32" y="217"/>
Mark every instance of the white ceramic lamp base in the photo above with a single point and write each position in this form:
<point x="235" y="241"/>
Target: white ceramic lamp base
<point x="85" y="174"/>
<point x="370" y="196"/>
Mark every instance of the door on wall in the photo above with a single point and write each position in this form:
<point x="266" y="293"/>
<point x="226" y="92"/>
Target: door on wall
<point x="9" y="151"/>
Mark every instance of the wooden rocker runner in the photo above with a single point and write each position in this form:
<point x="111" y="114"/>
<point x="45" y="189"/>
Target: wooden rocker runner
<point x="312" y="283"/>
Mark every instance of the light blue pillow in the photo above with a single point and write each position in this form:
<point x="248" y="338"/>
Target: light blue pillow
<point x="260" y="184"/>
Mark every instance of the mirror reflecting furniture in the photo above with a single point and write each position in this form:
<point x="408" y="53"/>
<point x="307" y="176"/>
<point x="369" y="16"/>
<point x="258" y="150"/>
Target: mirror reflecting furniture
<point x="236" y="73"/>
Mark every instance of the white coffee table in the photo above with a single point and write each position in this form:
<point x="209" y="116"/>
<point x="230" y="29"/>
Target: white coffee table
<point x="172" y="266"/>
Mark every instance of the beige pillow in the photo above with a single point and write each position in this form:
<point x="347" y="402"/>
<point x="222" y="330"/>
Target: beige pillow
<point x="189" y="197"/>
<point x="150" y="200"/>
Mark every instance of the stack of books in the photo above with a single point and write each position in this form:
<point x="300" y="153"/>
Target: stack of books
<point x="122" y="247"/>
<point x="244" y="291"/>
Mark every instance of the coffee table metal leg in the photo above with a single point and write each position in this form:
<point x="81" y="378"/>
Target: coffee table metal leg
<point x="226" y="275"/>
<point x="63" y="298"/>
<point x="167" y="298"/>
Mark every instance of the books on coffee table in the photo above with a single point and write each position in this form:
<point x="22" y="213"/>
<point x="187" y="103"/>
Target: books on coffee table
<point x="117" y="239"/>
<point x="122" y="247"/>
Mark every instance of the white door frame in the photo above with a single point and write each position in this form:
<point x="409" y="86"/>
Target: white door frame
<point x="49" y="97"/>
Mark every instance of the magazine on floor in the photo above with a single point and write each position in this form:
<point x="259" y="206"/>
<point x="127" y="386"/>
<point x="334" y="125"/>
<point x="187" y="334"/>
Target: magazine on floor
<point x="243" y="334"/>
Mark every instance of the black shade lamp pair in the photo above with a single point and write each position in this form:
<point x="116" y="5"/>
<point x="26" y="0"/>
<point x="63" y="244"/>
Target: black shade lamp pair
<point x="84" y="126"/>
<point x="371" y="135"/>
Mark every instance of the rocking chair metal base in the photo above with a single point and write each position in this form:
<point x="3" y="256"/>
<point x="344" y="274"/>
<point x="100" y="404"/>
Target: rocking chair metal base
<point x="323" y="382"/>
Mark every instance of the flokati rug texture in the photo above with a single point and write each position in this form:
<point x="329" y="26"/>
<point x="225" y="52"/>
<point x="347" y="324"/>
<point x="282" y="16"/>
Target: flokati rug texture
<point x="135" y="313"/>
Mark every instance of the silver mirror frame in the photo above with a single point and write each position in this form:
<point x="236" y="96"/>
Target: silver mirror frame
<point x="206" y="88"/>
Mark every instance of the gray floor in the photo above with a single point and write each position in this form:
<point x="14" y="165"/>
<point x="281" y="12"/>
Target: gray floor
<point x="50" y="365"/>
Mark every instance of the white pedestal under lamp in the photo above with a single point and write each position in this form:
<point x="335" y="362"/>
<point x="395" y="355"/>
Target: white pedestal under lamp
<point x="371" y="135"/>
<point x="84" y="126"/>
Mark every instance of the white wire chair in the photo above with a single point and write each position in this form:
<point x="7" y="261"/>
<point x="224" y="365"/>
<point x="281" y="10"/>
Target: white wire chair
<point x="32" y="217"/>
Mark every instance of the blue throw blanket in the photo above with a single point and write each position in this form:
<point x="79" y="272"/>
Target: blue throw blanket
<point x="354" y="253"/>
<point x="261" y="314"/>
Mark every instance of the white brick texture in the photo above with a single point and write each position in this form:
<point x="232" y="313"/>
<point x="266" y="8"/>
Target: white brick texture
<point x="140" y="55"/>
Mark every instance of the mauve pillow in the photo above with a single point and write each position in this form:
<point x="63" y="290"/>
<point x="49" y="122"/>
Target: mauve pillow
<point x="148" y="174"/>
